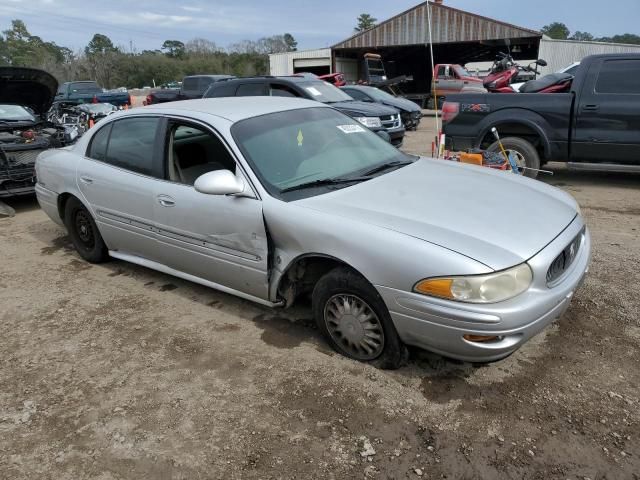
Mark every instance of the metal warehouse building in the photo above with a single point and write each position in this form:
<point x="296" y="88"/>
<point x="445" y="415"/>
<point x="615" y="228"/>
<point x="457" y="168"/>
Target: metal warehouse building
<point x="458" y="37"/>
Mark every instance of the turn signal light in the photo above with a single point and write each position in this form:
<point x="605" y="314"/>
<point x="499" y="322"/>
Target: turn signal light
<point x="436" y="287"/>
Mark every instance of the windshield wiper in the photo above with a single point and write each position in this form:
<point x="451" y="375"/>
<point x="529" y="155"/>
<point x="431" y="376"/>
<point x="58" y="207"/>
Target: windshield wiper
<point x="386" y="166"/>
<point x="323" y="182"/>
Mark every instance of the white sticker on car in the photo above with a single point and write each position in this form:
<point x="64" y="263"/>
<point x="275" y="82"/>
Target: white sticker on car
<point x="314" y="91"/>
<point x="351" y="128"/>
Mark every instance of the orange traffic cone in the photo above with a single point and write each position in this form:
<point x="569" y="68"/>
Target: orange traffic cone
<point x="126" y="106"/>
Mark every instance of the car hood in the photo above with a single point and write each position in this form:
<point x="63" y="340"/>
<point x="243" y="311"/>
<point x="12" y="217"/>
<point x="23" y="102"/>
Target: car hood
<point x="28" y="87"/>
<point x="364" y="109"/>
<point x="496" y="218"/>
<point x="402" y="104"/>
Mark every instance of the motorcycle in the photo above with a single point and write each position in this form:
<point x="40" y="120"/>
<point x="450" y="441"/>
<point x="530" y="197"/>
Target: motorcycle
<point x="505" y="71"/>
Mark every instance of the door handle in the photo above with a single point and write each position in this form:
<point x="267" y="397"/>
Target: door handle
<point x="166" y="201"/>
<point x="591" y="108"/>
<point x="86" y="180"/>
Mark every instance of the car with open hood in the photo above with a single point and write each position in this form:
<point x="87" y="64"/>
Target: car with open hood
<point x="279" y="199"/>
<point x="26" y="95"/>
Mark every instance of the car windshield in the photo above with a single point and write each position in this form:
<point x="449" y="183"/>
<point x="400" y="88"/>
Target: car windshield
<point x="15" y="113"/>
<point x="290" y="149"/>
<point x="324" y="92"/>
<point x="463" y="71"/>
<point x="379" y="94"/>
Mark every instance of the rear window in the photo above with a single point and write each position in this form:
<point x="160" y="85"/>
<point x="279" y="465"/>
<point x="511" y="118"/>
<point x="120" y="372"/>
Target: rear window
<point x="619" y="76"/>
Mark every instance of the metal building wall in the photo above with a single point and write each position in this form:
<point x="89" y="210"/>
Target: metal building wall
<point x="282" y="63"/>
<point x="562" y="53"/>
<point x="449" y="25"/>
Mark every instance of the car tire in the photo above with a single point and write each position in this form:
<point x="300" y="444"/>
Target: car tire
<point x="366" y="331"/>
<point x="525" y="150"/>
<point x="84" y="233"/>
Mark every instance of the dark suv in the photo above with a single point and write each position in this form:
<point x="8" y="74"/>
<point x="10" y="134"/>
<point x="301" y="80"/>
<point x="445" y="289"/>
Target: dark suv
<point x="378" y="118"/>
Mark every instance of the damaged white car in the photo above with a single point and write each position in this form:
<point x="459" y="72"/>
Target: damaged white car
<point x="271" y="199"/>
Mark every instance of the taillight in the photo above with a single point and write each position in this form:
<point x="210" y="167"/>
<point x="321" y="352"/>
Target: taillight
<point x="149" y="100"/>
<point x="450" y="111"/>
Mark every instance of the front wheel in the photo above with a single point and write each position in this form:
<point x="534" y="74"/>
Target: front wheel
<point x="524" y="152"/>
<point x="355" y="321"/>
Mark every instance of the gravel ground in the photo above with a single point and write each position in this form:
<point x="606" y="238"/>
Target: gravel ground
<point x="118" y="372"/>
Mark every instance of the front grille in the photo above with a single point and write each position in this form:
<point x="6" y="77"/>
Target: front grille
<point x="563" y="261"/>
<point x="390" y="121"/>
<point x="22" y="157"/>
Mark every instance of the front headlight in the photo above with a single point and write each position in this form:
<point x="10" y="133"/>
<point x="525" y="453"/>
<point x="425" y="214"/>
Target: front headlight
<point x="370" y="122"/>
<point x="490" y="288"/>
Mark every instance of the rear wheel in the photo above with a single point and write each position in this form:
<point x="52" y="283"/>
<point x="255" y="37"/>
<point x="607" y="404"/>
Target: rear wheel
<point x="84" y="233"/>
<point x="524" y="153"/>
<point x="355" y="321"/>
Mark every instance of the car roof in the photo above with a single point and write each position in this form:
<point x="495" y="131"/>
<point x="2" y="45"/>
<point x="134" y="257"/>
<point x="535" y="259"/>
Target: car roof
<point x="287" y="78"/>
<point x="236" y="108"/>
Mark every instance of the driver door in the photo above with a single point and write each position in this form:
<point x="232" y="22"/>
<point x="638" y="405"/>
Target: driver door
<point x="219" y="238"/>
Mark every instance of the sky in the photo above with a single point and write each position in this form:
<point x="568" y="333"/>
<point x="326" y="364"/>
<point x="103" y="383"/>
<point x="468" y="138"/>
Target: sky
<point x="145" y="24"/>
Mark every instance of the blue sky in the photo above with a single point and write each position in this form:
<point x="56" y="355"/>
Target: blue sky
<point x="146" y="23"/>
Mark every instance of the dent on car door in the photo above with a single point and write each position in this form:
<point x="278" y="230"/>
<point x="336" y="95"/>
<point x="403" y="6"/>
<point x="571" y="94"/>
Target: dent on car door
<point x="608" y="113"/>
<point x="219" y="238"/>
<point x="117" y="179"/>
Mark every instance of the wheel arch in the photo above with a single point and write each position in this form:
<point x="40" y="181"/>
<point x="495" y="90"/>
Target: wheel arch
<point x="303" y="272"/>
<point x="522" y="124"/>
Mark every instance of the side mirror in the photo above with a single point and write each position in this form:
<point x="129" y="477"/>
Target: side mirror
<point x="542" y="63"/>
<point x="219" y="182"/>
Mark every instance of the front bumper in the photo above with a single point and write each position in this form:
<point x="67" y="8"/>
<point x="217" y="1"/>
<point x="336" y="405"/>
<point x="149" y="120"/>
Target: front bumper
<point x="439" y="325"/>
<point x="397" y="135"/>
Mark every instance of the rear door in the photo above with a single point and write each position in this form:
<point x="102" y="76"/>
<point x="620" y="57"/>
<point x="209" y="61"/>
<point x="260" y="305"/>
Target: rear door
<point x="607" y="127"/>
<point x="219" y="238"/>
<point x="117" y="178"/>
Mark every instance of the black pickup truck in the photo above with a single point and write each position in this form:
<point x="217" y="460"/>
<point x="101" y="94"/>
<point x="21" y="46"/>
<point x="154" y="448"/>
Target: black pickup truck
<point x="594" y="126"/>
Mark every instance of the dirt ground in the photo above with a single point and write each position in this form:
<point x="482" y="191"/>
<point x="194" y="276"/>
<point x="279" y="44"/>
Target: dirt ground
<point x="118" y="372"/>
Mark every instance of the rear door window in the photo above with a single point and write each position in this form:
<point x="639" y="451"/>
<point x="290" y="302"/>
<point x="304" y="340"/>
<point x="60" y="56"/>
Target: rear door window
<point x="131" y="144"/>
<point x="251" y="90"/>
<point x="619" y="77"/>
<point x="98" y="147"/>
<point x="283" y="91"/>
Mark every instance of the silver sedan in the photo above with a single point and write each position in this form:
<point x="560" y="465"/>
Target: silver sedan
<point x="272" y="199"/>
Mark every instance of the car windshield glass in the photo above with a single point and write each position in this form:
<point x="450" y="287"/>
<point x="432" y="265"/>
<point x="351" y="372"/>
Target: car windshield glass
<point x="98" y="108"/>
<point x="463" y="72"/>
<point x="15" y="113"/>
<point x="324" y="92"/>
<point x="84" y="88"/>
<point x="379" y="94"/>
<point x="292" y="148"/>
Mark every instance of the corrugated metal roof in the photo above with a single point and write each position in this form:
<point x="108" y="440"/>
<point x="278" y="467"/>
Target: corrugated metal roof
<point x="449" y="25"/>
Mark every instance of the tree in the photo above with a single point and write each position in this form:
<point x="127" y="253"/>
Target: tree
<point x="556" y="30"/>
<point x="582" y="36"/>
<point x="173" y="48"/>
<point x="365" y="22"/>
<point x="626" y="38"/>
<point x="291" y="43"/>
<point x="100" y="44"/>
<point x="201" y="47"/>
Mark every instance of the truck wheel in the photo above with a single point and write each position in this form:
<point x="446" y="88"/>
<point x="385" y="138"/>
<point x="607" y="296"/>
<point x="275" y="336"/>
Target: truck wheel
<point x="355" y="321"/>
<point x="84" y="233"/>
<point x="525" y="153"/>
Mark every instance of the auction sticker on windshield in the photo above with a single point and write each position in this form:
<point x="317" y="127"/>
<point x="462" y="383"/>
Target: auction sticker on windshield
<point x="351" y="128"/>
<point x="314" y="91"/>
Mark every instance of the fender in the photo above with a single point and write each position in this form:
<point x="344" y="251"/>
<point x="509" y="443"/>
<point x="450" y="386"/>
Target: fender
<point x="517" y="116"/>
